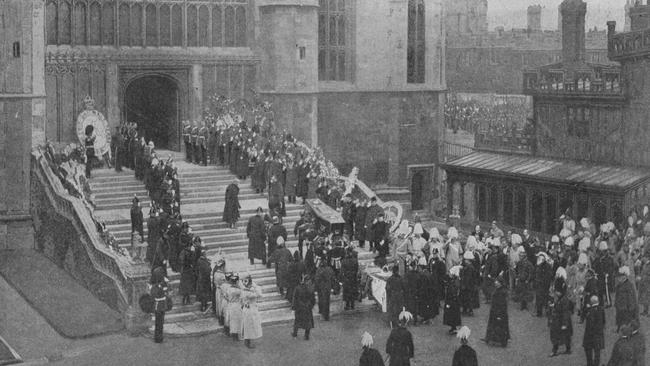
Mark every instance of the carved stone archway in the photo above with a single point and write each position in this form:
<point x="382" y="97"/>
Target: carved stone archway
<point x="179" y="75"/>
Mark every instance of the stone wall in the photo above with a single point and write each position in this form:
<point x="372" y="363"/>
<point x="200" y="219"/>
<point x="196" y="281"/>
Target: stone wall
<point x="381" y="133"/>
<point x="636" y="79"/>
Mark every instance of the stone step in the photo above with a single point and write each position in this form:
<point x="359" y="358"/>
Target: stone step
<point x="208" y="195"/>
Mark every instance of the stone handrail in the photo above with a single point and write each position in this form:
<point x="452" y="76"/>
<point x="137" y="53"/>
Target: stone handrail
<point x="129" y="278"/>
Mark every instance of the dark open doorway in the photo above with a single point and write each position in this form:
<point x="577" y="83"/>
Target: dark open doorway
<point x="152" y="102"/>
<point x="417" y="190"/>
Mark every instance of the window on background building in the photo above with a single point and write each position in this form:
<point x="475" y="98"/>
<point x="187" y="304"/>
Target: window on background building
<point x="578" y="120"/>
<point x="416" y="48"/>
<point x="333" y="48"/>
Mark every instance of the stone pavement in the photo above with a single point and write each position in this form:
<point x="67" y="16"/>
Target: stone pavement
<point x="337" y="343"/>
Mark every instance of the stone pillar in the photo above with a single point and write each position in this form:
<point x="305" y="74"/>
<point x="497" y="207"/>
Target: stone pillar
<point x="113" y="93"/>
<point x="196" y="94"/>
<point x="450" y="197"/>
<point x="461" y="204"/>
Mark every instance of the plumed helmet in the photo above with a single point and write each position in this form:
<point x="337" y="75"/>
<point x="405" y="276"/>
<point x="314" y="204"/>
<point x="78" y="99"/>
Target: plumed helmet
<point x="583" y="259"/>
<point x="417" y="229"/>
<point x="463" y="333"/>
<point x="280" y="240"/>
<point x="624" y="271"/>
<point x="455" y="271"/>
<point x="584" y="222"/>
<point x="516" y="239"/>
<point x="405" y="316"/>
<point x="452" y="233"/>
<point x="584" y="244"/>
<point x="366" y="339"/>
<point x="555" y="239"/>
<point x="560" y="272"/>
<point x="468" y="255"/>
<point x="569" y="241"/>
<point x="603" y="245"/>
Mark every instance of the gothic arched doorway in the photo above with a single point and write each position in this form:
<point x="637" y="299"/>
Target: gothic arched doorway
<point x="153" y="102"/>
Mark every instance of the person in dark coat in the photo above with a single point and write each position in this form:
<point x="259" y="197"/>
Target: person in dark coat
<point x="256" y="233"/>
<point x="231" y="207"/>
<point x="347" y="213"/>
<point x="369" y="355"/>
<point x="324" y="281"/>
<point x="399" y="346"/>
<point x="300" y="229"/>
<point x="360" y="222"/>
<point x="625" y="302"/>
<point x="242" y="164"/>
<point x="158" y="292"/>
<point x="468" y="285"/>
<point x="542" y="283"/>
<point x="451" y="316"/>
<point x="429" y="293"/>
<point x="350" y="279"/>
<point x="153" y="234"/>
<point x="204" y="282"/>
<point x="411" y="283"/>
<point x="295" y="270"/>
<point x="395" y="292"/>
<point x="137" y="218"/>
<point x="282" y="257"/>
<point x="525" y="273"/>
<point x="630" y="348"/>
<point x="464" y="355"/>
<point x="291" y="181"/>
<point x="605" y="269"/>
<point x="379" y="232"/>
<point x="594" y="337"/>
<point x="188" y="259"/>
<point x="302" y="184"/>
<point x="276" y="197"/>
<point x="117" y="143"/>
<point x="276" y="231"/>
<point x="560" y="323"/>
<point x="371" y="217"/>
<point x="498" y="328"/>
<point x="303" y="303"/>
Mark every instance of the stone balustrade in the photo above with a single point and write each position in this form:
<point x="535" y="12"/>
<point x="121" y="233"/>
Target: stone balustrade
<point x="516" y="141"/>
<point x="597" y="81"/>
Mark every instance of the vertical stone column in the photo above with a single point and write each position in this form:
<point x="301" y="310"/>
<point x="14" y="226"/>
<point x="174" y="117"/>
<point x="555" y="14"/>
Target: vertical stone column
<point x="196" y="94"/>
<point x="113" y="93"/>
<point x="393" y="145"/>
<point x="38" y="73"/>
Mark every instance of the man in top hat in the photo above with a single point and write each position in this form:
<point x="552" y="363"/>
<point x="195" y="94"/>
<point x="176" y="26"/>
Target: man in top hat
<point x="369" y="355"/>
<point x="542" y="282"/>
<point x="605" y="270"/>
<point x="625" y="303"/>
<point x="594" y="337"/>
<point x="256" y="233"/>
<point x="400" y="342"/>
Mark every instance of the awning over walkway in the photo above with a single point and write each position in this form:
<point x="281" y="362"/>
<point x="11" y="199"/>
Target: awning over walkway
<point x="552" y="171"/>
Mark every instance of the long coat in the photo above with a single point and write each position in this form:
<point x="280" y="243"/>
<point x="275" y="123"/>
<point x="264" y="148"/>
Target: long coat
<point x="428" y="297"/>
<point x="251" y="325"/>
<point x="469" y="280"/>
<point x="256" y="233"/>
<point x="465" y="356"/>
<point x="303" y="303"/>
<point x="349" y="277"/>
<point x="625" y="303"/>
<point x="400" y="347"/>
<point x="395" y="293"/>
<point x="411" y="283"/>
<point x="644" y="285"/>
<point x="204" y="284"/>
<point x="302" y="183"/>
<point x="291" y="181"/>
<point x="188" y="272"/>
<point x="233" y="318"/>
<point x="629" y="351"/>
<point x="498" y="329"/>
<point x="231" y="207"/>
<point x="371" y="357"/>
<point x="282" y="257"/>
<point x="359" y="222"/>
<point x="451" y="316"/>
<point x="594" y="337"/>
<point x="560" y="315"/>
<point x="276" y="231"/>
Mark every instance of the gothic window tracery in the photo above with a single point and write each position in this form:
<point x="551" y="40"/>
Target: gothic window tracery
<point x="333" y="46"/>
<point x="416" y="46"/>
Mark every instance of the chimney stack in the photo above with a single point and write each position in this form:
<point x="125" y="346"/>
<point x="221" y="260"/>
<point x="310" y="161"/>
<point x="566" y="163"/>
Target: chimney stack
<point x="534" y="18"/>
<point x="573" y="31"/>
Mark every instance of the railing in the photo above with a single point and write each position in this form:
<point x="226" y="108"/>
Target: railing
<point x="598" y="81"/>
<point x="621" y="45"/>
<point x="452" y="151"/>
<point x="517" y="142"/>
<point x="129" y="279"/>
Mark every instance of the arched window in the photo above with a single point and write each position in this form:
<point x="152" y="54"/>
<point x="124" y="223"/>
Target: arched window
<point x="217" y="26"/>
<point x="204" y="26"/>
<point x="333" y="46"/>
<point x="108" y="28"/>
<point x="177" y="26"/>
<point x="241" y="28"/>
<point x="415" y="55"/>
<point x="136" y="25"/>
<point x="165" y="29"/>
<point x="152" y="25"/>
<point x="229" y="31"/>
<point x="125" y="28"/>
<point x="192" y="27"/>
<point x="65" y="17"/>
<point x="51" y="12"/>
<point x="79" y="23"/>
<point x="94" y="30"/>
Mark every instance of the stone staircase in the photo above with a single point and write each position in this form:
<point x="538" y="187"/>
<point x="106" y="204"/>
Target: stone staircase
<point x="202" y="201"/>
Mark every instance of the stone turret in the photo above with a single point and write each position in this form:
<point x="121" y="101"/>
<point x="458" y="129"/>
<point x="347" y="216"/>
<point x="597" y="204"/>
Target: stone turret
<point x="639" y="15"/>
<point x="573" y="31"/>
<point x="534" y="18"/>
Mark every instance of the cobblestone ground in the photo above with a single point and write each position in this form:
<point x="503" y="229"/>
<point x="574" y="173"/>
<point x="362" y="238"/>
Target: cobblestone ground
<point x="337" y="343"/>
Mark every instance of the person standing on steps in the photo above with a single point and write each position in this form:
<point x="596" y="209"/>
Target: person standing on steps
<point x="282" y="257"/>
<point x="233" y="317"/>
<point x="256" y="233"/>
<point x="251" y="324"/>
<point x="231" y="207"/>
<point x="137" y="218"/>
<point x="187" y="133"/>
<point x="158" y="292"/>
<point x="89" y="142"/>
<point x="203" y="282"/>
<point x="276" y="231"/>
<point x="303" y="302"/>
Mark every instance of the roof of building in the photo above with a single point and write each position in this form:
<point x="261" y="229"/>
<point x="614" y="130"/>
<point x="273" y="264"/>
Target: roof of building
<point x="552" y="171"/>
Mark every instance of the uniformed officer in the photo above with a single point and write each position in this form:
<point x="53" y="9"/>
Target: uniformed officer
<point x="212" y="143"/>
<point x="194" y="137"/>
<point x="202" y="140"/>
<point x="187" y="130"/>
<point x="159" y="293"/>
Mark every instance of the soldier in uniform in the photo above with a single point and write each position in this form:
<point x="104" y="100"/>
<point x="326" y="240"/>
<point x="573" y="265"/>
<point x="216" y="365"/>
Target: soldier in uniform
<point x="203" y="144"/>
<point x="212" y="143"/>
<point x="324" y="282"/>
<point x="400" y="342"/>
<point x="604" y="267"/>
<point x="159" y="294"/>
<point x="194" y="138"/>
<point x="187" y="131"/>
